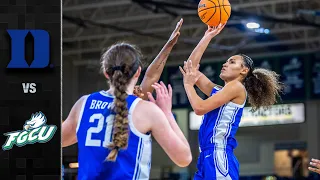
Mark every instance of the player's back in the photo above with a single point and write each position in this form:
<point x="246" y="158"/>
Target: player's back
<point x="94" y="133"/>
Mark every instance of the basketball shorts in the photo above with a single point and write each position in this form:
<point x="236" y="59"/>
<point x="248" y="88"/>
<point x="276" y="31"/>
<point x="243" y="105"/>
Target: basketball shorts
<point x="217" y="164"/>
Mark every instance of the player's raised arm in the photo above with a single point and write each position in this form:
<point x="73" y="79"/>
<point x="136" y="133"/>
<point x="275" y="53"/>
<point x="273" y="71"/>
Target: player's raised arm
<point x="203" y="83"/>
<point x="230" y="91"/>
<point x="168" y="139"/>
<point x="164" y="102"/>
<point x="69" y="126"/>
<point x="155" y="69"/>
<point x="198" y="51"/>
<point x="165" y="130"/>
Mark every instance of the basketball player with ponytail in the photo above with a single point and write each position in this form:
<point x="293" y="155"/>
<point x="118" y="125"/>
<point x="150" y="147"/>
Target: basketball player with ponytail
<point x="113" y="128"/>
<point x="223" y="109"/>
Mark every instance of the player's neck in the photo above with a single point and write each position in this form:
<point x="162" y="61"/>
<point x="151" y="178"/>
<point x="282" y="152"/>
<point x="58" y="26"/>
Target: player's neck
<point x="129" y="90"/>
<point x="240" y="79"/>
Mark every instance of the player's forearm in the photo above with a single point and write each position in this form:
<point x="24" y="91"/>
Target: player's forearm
<point x="155" y="69"/>
<point x="194" y="99"/>
<point x="175" y="127"/>
<point x="198" y="51"/>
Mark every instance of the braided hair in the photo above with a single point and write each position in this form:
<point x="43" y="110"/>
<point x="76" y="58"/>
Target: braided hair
<point x="121" y="61"/>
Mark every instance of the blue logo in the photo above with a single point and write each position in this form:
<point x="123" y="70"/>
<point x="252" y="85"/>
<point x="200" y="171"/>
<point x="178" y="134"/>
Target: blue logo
<point x="41" y="49"/>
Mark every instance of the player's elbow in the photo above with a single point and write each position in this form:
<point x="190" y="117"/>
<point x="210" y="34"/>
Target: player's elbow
<point x="199" y="111"/>
<point x="186" y="161"/>
<point x="185" y="158"/>
<point x="202" y="109"/>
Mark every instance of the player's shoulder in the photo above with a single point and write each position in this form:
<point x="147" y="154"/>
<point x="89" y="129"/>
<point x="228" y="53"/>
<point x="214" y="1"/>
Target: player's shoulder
<point x="145" y="105"/>
<point x="147" y="113"/>
<point x="146" y="109"/>
<point x="84" y="97"/>
<point x="81" y="100"/>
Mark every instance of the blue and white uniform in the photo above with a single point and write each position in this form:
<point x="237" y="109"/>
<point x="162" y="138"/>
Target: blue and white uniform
<point x="94" y="133"/>
<point x="217" y="141"/>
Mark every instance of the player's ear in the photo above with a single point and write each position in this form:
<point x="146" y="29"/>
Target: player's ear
<point x="138" y="72"/>
<point x="106" y="75"/>
<point x="244" y="71"/>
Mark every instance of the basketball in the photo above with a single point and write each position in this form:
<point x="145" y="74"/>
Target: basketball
<point x="214" y="12"/>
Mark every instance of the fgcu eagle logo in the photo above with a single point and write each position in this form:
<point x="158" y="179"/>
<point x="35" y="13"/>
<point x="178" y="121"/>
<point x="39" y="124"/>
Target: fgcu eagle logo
<point x="34" y="130"/>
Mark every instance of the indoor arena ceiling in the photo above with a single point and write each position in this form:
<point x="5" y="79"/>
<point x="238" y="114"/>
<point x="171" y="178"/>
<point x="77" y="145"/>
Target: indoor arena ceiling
<point x="91" y="25"/>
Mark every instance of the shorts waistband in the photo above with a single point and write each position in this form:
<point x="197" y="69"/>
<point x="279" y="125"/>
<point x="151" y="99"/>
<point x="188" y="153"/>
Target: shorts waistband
<point x="213" y="146"/>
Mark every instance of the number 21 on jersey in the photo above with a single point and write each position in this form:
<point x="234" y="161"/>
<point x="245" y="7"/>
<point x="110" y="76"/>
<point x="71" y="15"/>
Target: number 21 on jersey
<point x="97" y="129"/>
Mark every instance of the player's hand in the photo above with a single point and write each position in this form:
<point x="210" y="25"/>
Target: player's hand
<point x="138" y="92"/>
<point x="190" y="74"/>
<point x="213" y="31"/>
<point x="163" y="96"/>
<point x="316" y="166"/>
<point x="175" y="34"/>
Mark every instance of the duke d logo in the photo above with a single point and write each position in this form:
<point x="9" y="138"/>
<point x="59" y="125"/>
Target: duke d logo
<point x="34" y="130"/>
<point x="41" y="48"/>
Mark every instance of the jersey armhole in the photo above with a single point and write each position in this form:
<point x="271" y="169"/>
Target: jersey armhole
<point x="215" y="89"/>
<point x="81" y="112"/>
<point x="132" y="127"/>
<point x="218" y="87"/>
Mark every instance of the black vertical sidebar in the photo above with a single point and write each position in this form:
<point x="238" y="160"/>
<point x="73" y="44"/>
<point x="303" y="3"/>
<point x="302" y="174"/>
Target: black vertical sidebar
<point x="30" y="87"/>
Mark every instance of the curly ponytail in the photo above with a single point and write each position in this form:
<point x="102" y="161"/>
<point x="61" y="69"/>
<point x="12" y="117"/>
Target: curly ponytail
<point x="263" y="86"/>
<point x="120" y="62"/>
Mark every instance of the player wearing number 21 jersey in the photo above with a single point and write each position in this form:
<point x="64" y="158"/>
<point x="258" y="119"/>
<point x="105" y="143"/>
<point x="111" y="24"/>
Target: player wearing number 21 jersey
<point x="113" y="128"/>
<point x="95" y="131"/>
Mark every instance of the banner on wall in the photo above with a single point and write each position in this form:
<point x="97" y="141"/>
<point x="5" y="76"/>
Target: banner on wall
<point x="292" y="75"/>
<point x="266" y="64"/>
<point x="315" y="77"/>
<point x="277" y="114"/>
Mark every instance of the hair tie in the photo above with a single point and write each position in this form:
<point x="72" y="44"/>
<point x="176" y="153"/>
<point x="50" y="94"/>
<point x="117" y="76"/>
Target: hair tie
<point x="117" y="68"/>
<point x="134" y="68"/>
